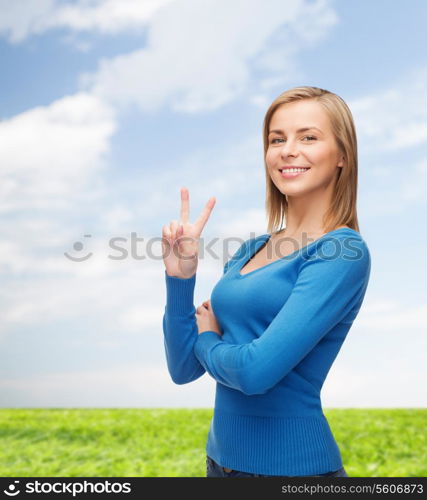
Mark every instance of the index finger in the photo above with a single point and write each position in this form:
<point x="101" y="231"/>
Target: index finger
<point x="204" y="216"/>
<point x="185" y="205"/>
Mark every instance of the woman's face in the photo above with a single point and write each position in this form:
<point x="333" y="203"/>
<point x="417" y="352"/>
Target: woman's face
<point x="315" y="148"/>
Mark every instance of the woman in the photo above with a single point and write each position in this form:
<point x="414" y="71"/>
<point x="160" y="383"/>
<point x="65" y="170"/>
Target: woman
<point x="278" y="316"/>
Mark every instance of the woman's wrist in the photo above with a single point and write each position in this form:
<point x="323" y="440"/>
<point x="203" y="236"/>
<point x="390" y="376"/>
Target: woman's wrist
<point x="182" y="277"/>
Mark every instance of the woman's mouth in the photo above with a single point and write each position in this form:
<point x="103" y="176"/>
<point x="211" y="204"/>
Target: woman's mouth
<point x="289" y="173"/>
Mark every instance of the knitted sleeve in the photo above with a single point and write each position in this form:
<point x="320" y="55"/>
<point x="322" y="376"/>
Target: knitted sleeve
<point x="180" y="327"/>
<point x="326" y="291"/>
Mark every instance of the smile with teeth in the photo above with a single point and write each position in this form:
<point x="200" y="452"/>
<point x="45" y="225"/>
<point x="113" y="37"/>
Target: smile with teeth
<point x="292" y="172"/>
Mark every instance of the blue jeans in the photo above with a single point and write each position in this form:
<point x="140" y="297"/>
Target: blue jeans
<point x="215" y="470"/>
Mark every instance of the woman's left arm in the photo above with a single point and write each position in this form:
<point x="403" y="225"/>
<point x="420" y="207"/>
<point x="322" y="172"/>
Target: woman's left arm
<point x="325" y="292"/>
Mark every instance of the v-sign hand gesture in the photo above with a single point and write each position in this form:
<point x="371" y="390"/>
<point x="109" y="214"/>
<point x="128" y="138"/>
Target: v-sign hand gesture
<point x="180" y="240"/>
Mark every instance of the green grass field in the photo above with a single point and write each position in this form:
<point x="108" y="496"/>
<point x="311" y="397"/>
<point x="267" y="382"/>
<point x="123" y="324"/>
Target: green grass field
<point x="171" y="442"/>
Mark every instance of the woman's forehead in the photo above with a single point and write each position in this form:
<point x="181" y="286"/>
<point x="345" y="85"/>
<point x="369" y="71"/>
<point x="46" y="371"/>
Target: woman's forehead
<point x="295" y="116"/>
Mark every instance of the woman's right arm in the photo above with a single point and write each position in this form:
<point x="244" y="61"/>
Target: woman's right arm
<point x="180" y="243"/>
<point x="180" y="330"/>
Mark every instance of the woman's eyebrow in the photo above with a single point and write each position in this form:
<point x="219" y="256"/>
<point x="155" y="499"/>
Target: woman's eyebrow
<point x="304" y="129"/>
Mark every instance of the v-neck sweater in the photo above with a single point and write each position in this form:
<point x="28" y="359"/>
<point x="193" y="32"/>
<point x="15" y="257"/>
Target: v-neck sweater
<point x="282" y="327"/>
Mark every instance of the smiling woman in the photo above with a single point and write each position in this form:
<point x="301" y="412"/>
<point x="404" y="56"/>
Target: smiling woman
<point x="310" y="128"/>
<point x="277" y="317"/>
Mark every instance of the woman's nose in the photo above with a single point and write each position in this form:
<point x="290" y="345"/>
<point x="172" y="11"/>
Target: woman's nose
<point x="289" y="148"/>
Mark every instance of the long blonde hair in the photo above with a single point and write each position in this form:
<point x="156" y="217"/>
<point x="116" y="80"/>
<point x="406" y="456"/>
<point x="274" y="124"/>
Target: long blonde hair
<point x="343" y="209"/>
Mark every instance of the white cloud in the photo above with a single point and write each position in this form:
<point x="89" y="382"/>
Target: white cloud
<point x="19" y="19"/>
<point x="367" y="373"/>
<point x="53" y="157"/>
<point x="208" y="70"/>
<point x="414" y="187"/>
<point x="49" y="154"/>
<point x="366" y="387"/>
<point x="65" y="143"/>
<point x="127" y="296"/>
<point x="381" y="363"/>
<point x="140" y="318"/>
<point x="390" y="316"/>
<point x="146" y="385"/>
<point x="107" y="16"/>
<point x="390" y="123"/>
<point x="22" y="19"/>
<point x="189" y="67"/>
<point x="395" y="118"/>
<point x="260" y="100"/>
<point x="62" y="289"/>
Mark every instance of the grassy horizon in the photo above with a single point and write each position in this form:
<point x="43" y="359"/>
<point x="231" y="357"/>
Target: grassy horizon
<point x="170" y="442"/>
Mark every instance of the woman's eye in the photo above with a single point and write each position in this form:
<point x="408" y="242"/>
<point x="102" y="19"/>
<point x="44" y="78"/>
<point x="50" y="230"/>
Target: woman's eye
<point x="311" y="137"/>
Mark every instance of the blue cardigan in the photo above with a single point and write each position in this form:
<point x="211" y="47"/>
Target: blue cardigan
<point x="283" y="326"/>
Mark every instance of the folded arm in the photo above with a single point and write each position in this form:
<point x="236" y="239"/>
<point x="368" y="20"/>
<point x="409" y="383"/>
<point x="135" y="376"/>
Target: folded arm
<point x="180" y="328"/>
<point x="325" y="292"/>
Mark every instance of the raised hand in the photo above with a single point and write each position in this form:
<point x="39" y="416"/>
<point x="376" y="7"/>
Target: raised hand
<point x="180" y="240"/>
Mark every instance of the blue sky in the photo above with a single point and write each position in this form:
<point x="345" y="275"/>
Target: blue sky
<point x="107" y="108"/>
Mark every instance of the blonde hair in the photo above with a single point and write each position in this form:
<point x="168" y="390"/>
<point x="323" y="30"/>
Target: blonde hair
<point x="343" y="207"/>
